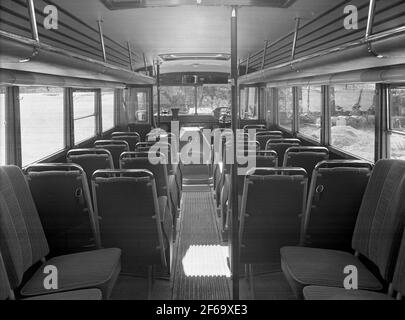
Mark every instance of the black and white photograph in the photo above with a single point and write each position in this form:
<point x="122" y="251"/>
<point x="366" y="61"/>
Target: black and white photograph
<point x="197" y="157"/>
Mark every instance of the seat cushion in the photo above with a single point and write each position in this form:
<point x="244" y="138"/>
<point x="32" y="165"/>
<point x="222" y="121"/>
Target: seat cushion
<point x="311" y="266"/>
<point x="331" y="293"/>
<point x="88" y="294"/>
<point x="91" y="269"/>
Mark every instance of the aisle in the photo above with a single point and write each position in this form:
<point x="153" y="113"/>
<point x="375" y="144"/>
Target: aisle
<point x="200" y="267"/>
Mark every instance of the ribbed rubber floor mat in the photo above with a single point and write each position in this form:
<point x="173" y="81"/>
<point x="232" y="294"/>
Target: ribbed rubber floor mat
<point x="200" y="267"/>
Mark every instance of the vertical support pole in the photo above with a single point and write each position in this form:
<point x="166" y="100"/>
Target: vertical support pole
<point x="294" y="46"/>
<point x="247" y="64"/>
<point x="158" y="92"/>
<point x="98" y="109"/>
<point x="100" y="31"/>
<point x="326" y="112"/>
<point x="68" y="118"/>
<point x="13" y="127"/>
<point x="33" y="20"/>
<point x="131" y="63"/>
<point x="234" y="225"/>
<point x="381" y="122"/>
<point x="264" y="53"/>
<point x="144" y="63"/>
<point x="295" y="125"/>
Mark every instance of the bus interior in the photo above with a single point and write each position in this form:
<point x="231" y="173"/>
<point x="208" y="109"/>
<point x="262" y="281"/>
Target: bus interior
<point x="202" y="150"/>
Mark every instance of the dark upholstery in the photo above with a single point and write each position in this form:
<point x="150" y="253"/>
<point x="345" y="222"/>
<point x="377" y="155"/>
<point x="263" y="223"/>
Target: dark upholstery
<point x="281" y="146"/>
<point x="381" y="217"/>
<point x="132" y="138"/>
<point x="303" y="266"/>
<point x="263" y="138"/>
<point x="330" y="219"/>
<point x="91" y="160"/>
<point x="87" y="294"/>
<point x="271" y="211"/>
<point x="331" y="293"/>
<point x="128" y="208"/>
<point x="5" y="289"/>
<point x="376" y="237"/>
<point x="116" y="147"/>
<point x="62" y="198"/>
<point x="305" y="157"/>
<point x="91" y="269"/>
<point x="23" y="244"/>
<point x="22" y="239"/>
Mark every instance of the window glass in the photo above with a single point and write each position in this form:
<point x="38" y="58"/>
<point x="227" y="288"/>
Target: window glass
<point x="41" y="110"/>
<point x="142" y="110"/>
<point x="2" y="126"/>
<point x="107" y="108"/>
<point x="84" y="103"/>
<point x="397" y="123"/>
<point x="242" y="102"/>
<point x="285" y="108"/>
<point x="212" y="97"/>
<point x="309" y="111"/>
<point x="182" y="97"/>
<point x="353" y="119"/>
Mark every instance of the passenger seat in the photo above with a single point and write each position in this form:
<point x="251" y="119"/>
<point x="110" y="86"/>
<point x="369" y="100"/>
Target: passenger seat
<point x="23" y="245"/>
<point x="116" y="147"/>
<point x="280" y="146"/>
<point x="131" y="218"/>
<point x="62" y="198"/>
<point x="376" y="238"/>
<point x="396" y="288"/>
<point x="334" y="200"/>
<point x="6" y="293"/>
<point x="132" y="138"/>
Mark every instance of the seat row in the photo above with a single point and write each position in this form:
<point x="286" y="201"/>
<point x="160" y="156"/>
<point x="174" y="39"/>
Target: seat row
<point x="24" y="251"/>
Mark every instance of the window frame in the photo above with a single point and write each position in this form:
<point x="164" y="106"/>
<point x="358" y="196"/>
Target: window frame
<point x="343" y="153"/>
<point x="296" y="111"/>
<point x="96" y="115"/>
<point x="290" y="130"/>
<point x="388" y="110"/>
<point x="102" y="129"/>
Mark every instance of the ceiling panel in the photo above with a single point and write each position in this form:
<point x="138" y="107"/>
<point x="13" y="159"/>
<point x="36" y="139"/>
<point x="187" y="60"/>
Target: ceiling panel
<point x="192" y="29"/>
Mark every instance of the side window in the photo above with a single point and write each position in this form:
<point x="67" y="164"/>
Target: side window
<point x="107" y="109"/>
<point x="353" y="119"/>
<point x="397" y="122"/>
<point x="84" y="114"/>
<point x="285" y="108"/>
<point x="309" y="111"/>
<point x="2" y="125"/>
<point x="41" y="111"/>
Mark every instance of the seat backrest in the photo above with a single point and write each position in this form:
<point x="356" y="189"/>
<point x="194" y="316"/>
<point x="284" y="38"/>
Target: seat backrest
<point x="62" y="198"/>
<point x="254" y="126"/>
<point x="270" y="132"/>
<point x="130" y="160"/>
<point x="116" y="147"/>
<point x="273" y="203"/>
<point x="305" y="157"/>
<point x="5" y="290"/>
<point x="132" y="138"/>
<point x="263" y="138"/>
<point x="281" y="145"/>
<point x="144" y="146"/>
<point x="91" y="160"/>
<point x="127" y="206"/>
<point x="398" y="283"/>
<point x="380" y="221"/>
<point x="22" y="238"/>
<point x="334" y="200"/>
